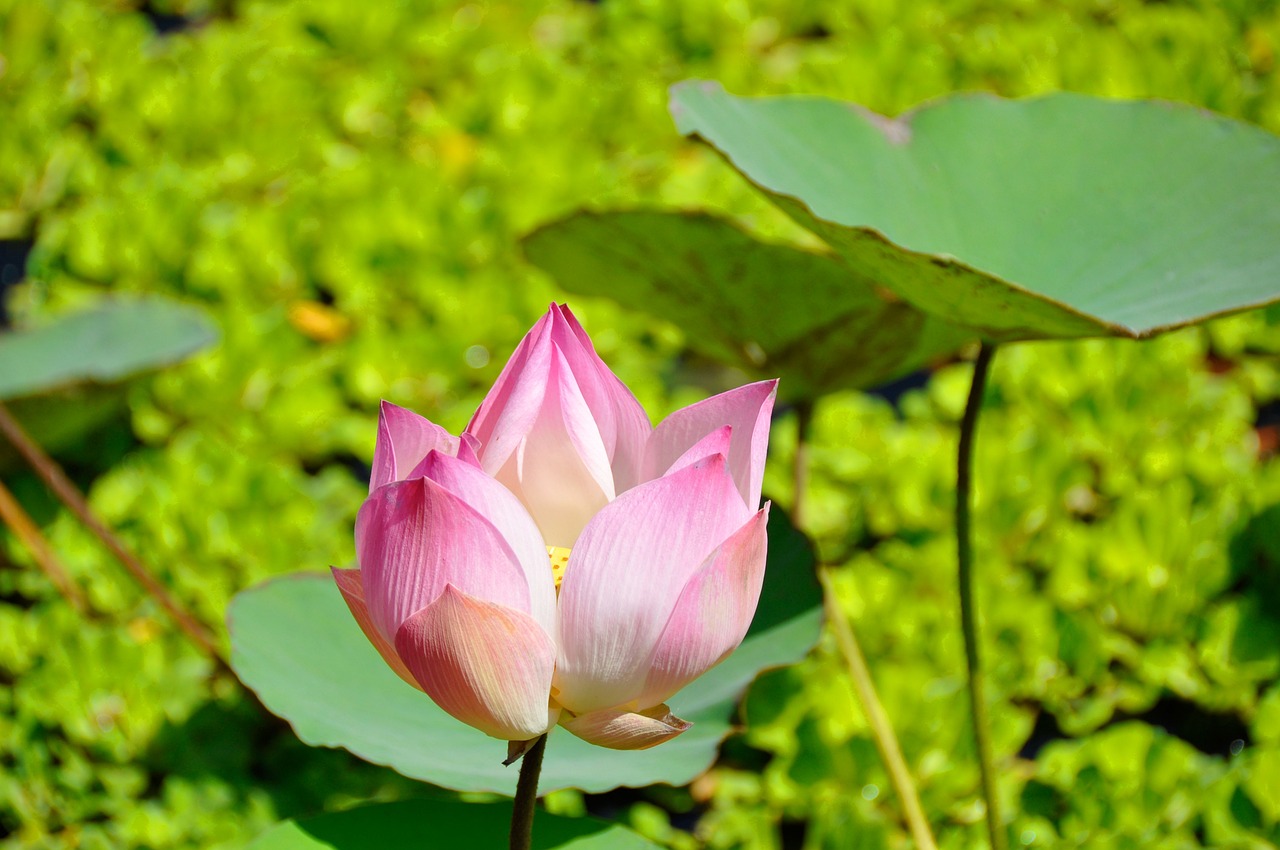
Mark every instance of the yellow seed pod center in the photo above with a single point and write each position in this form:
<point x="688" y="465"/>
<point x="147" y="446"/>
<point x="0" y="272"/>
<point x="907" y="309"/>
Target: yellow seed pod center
<point x="559" y="560"/>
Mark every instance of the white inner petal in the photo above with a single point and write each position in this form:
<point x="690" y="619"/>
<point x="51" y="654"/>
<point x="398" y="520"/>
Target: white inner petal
<point x="552" y="481"/>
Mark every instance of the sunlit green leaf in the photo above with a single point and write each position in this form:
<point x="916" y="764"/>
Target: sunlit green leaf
<point x="1060" y="216"/>
<point x="107" y="343"/>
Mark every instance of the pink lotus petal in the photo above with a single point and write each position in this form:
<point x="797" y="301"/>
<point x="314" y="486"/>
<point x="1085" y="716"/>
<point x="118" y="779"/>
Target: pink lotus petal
<point x="499" y="506"/>
<point x="623" y="424"/>
<point x="487" y="665"/>
<point x="579" y="423"/>
<point x="414" y="537"/>
<point x="626" y="573"/>
<point x="618" y="729"/>
<point x="404" y="438"/>
<point x="509" y="410"/>
<point x="747" y="409"/>
<point x="715" y="443"/>
<point x="455" y="588"/>
<point x="713" y="613"/>
<point x="352" y="591"/>
<point x="560" y="472"/>
<point x="586" y="368"/>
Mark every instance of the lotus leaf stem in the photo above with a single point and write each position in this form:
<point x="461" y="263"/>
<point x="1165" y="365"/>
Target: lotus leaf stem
<point x="881" y="730"/>
<point x="56" y="480"/>
<point x="26" y="530"/>
<point x="968" y="606"/>
<point x="800" y="461"/>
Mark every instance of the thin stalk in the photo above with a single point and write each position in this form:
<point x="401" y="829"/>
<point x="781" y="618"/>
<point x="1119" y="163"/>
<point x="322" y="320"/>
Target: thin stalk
<point x="864" y="687"/>
<point x="527" y="796"/>
<point x="968" y="605"/>
<point x="881" y="730"/>
<point x="56" y="480"/>
<point x="800" y="461"/>
<point x="26" y="530"/>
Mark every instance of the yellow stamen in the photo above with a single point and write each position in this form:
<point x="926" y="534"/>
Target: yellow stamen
<point x="559" y="560"/>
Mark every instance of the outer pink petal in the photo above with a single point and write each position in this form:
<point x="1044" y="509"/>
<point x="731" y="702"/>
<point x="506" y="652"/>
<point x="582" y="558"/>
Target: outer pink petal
<point x="623" y="423"/>
<point x="747" y="409"/>
<point x="715" y="443"/>
<point x="713" y="612"/>
<point x="352" y="591"/>
<point x="414" y="537"/>
<point x="561" y="471"/>
<point x="509" y="410"/>
<point x="618" y="729"/>
<point x="487" y="665"/>
<point x="404" y="438"/>
<point x="626" y="573"/>
<point x="499" y="505"/>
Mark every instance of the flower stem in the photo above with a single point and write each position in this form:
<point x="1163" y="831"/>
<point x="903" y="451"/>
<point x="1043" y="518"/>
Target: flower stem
<point x="864" y="687"/>
<point x="968" y="606"/>
<point x="881" y="730"/>
<point x="527" y="796"/>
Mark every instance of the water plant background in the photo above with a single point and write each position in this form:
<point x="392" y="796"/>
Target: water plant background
<point x="342" y="193"/>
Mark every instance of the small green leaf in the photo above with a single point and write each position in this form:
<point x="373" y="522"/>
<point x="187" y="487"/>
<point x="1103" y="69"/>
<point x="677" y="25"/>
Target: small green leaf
<point x="774" y="310"/>
<point x="1061" y="216"/>
<point x="107" y="343"/>
<point x="441" y="823"/>
<point x="296" y="645"/>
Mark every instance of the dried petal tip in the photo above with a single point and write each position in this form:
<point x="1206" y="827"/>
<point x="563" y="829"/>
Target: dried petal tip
<point x="517" y="749"/>
<point x="618" y="729"/>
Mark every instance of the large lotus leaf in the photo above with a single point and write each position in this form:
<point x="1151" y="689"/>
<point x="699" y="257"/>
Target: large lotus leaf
<point x="445" y="824"/>
<point x="1059" y="216"/>
<point x="106" y="343"/>
<point x="772" y="309"/>
<point x="295" y="644"/>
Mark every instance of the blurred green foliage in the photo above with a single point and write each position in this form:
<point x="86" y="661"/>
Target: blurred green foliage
<point x="341" y="187"/>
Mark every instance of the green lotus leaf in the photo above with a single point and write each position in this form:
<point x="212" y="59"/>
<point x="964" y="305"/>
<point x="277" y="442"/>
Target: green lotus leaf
<point x="1055" y="217"/>
<point x="101" y="345"/>
<point x="449" y="823"/>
